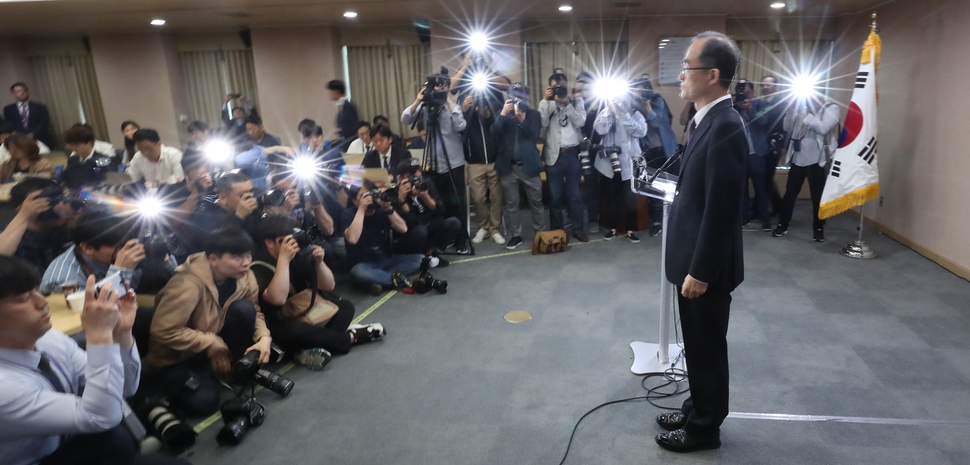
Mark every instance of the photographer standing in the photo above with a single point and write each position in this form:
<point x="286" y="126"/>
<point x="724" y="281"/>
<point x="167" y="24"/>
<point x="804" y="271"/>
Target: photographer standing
<point x="753" y="112"/>
<point x="480" y="152"/>
<point x="421" y="207"/>
<point x="811" y="126"/>
<point x="563" y="117"/>
<point x="518" y="163"/>
<point x="621" y="128"/>
<point x="448" y="164"/>
<point x="659" y="144"/>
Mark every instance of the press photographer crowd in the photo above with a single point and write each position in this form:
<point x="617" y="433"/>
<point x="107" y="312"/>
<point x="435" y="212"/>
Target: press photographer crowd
<point x="195" y="270"/>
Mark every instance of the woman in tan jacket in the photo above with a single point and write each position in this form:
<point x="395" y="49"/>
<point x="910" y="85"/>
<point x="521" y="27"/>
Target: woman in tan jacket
<point x="24" y="158"/>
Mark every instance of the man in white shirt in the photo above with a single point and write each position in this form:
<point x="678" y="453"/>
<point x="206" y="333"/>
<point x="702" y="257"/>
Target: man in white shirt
<point x="60" y="404"/>
<point x="363" y="143"/>
<point x="155" y="162"/>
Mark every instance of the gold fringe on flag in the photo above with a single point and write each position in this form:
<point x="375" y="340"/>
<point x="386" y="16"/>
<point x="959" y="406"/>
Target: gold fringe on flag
<point x="873" y="43"/>
<point x="847" y="201"/>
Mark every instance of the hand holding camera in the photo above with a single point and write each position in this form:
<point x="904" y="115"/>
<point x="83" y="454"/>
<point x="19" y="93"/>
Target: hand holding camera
<point x="34" y="205"/>
<point x="130" y="255"/>
<point x="100" y="315"/>
<point x="288" y="250"/>
<point x="263" y="347"/>
<point x="509" y="107"/>
<point x="318" y="254"/>
<point x="247" y="205"/>
<point x="467" y="103"/>
<point x="364" y="201"/>
<point x="403" y="190"/>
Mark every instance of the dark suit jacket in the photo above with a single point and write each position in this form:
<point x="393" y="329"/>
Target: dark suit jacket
<point x="518" y="139"/>
<point x="38" y="121"/>
<point x="347" y="121"/>
<point x="372" y="159"/>
<point x="704" y="228"/>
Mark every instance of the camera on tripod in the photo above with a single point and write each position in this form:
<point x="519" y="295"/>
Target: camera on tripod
<point x="434" y="98"/>
<point x="613" y="152"/>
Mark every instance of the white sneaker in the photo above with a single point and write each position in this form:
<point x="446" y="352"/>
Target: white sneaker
<point x="498" y="239"/>
<point x="479" y="236"/>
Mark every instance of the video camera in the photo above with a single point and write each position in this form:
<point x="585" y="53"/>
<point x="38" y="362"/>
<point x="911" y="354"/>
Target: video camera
<point x="433" y="98"/>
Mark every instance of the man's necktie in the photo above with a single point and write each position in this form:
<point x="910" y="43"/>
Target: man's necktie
<point x="384" y="161"/>
<point x="45" y="369"/>
<point x="24" y="116"/>
<point x="690" y="130"/>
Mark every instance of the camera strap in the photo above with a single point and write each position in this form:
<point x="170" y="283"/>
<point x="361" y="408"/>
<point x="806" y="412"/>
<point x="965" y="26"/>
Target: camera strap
<point x="85" y="265"/>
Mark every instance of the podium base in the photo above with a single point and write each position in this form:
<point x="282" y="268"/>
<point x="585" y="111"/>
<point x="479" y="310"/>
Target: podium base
<point x="858" y="249"/>
<point x="646" y="358"/>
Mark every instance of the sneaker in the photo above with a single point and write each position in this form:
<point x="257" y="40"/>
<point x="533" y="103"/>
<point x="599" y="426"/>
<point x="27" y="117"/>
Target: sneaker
<point x="314" y="359"/>
<point x="594" y="228"/>
<point x="655" y="230"/>
<point x="581" y="236"/>
<point x="609" y="235"/>
<point x="434" y="261"/>
<point x="633" y="237"/>
<point x="367" y="333"/>
<point x="514" y="242"/>
<point x="375" y="289"/>
<point x="819" y="235"/>
<point x="479" y="236"/>
<point x="498" y="239"/>
<point x="780" y="231"/>
<point x="746" y="222"/>
<point x="766" y="226"/>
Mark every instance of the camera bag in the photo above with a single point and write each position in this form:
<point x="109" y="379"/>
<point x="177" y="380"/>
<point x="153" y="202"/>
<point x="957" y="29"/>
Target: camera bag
<point x="547" y="242"/>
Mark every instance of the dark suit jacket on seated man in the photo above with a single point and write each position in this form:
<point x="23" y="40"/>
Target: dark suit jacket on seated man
<point x="386" y="154"/>
<point x="704" y="251"/>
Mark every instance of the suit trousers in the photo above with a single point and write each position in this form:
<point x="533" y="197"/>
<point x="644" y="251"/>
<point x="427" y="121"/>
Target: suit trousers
<point x="483" y="180"/>
<point x="704" y="321"/>
<point x="816" y="183"/>
<point x="759" y="206"/>
<point x="533" y="192"/>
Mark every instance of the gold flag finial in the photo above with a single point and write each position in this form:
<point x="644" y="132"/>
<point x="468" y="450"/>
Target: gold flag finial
<point x="874" y="27"/>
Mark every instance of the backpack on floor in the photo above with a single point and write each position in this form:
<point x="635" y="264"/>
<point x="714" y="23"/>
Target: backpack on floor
<point x="550" y="242"/>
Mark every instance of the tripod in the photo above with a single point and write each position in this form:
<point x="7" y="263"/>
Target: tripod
<point x="431" y="162"/>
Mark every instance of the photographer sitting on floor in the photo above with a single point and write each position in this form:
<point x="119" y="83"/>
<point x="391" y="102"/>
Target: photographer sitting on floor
<point x="205" y="318"/>
<point x="422" y="209"/>
<point x="286" y="269"/>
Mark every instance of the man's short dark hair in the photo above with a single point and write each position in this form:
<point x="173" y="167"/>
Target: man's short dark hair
<point x="17" y="276"/>
<point x="7" y="127"/>
<point x="20" y="191"/>
<point x="78" y="134"/>
<point x="338" y="86"/>
<point x="304" y="124"/>
<point x="198" y="126"/>
<point x="150" y="135"/>
<point x="722" y="53"/>
<point x="226" y="180"/>
<point x="20" y="84"/>
<point x="315" y="130"/>
<point x="382" y="131"/>
<point x="364" y="124"/>
<point x="99" y="228"/>
<point x="192" y="159"/>
<point x="273" y="226"/>
<point x="127" y="123"/>
<point x="381" y="117"/>
<point x="408" y="167"/>
<point x="253" y="118"/>
<point x="233" y="241"/>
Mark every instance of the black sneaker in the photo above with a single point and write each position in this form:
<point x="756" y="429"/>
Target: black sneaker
<point x="780" y="231"/>
<point x="766" y="226"/>
<point x="367" y="333"/>
<point x="514" y="242"/>
<point x="746" y="222"/>
<point x="633" y="237"/>
<point x="655" y="230"/>
<point x="819" y="235"/>
<point x="581" y="236"/>
<point x="609" y="235"/>
<point x="375" y="289"/>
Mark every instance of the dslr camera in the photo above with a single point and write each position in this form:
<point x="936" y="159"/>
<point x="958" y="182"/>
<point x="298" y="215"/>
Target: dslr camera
<point x="418" y="183"/>
<point x="158" y="244"/>
<point x="55" y="194"/>
<point x="740" y="91"/>
<point x="613" y="152"/>
<point x="559" y="91"/>
<point x="239" y="416"/>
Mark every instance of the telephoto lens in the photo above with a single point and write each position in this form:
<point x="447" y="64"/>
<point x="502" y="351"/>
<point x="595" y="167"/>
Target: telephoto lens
<point x="615" y="162"/>
<point x="177" y="436"/>
<point x="274" y="382"/>
<point x="584" y="162"/>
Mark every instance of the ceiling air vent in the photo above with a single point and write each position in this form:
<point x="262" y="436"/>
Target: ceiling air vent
<point x="626" y="4"/>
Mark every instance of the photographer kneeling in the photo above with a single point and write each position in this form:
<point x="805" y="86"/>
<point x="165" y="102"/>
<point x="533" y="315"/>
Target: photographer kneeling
<point x="206" y="318"/>
<point x="429" y="232"/>
<point x="287" y="270"/>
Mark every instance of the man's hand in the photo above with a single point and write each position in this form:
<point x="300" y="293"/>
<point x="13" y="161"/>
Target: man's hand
<point x="100" y="314"/>
<point x="128" y="308"/>
<point x="467" y="103"/>
<point x="647" y="104"/>
<point x="467" y="61"/>
<point x="509" y="107"/>
<point x="519" y="115"/>
<point x="263" y="346"/>
<point x="318" y="254"/>
<point x="33" y="206"/>
<point x="547" y="95"/>
<point x="202" y="185"/>
<point x="288" y="249"/>
<point x="218" y="354"/>
<point x="403" y="189"/>
<point x="692" y="288"/>
<point x="420" y="96"/>
<point x="292" y="199"/>
<point x="246" y="206"/>
<point x="364" y="200"/>
<point x="130" y="255"/>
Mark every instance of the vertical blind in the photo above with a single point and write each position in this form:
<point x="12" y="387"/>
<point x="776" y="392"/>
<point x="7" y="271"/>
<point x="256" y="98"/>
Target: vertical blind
<point x="593" y="57"/>
<point x="385" y="79"/>
<point x="210" y="75"/>
<point x="70" y="87"/>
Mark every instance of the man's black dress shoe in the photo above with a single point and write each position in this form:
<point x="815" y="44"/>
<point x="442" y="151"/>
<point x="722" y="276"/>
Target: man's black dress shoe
<point x="680" y="441"/>
<point x="671" y="420"/>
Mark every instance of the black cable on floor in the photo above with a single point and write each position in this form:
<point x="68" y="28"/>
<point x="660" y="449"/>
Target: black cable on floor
<point x="673" y="376"/>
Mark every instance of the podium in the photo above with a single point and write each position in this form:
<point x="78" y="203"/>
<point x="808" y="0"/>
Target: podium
<point x="650" y="357"/>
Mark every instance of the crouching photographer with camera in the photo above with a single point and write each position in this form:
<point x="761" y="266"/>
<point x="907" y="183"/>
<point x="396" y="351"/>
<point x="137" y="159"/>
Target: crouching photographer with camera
<point x="233" y="206"/>
<point x="418" y="202"/>
<point x="294" y="296"/>
<point x="39" y="231"/>
<point x="206" y="318"/>
<point x="621" y="128"/>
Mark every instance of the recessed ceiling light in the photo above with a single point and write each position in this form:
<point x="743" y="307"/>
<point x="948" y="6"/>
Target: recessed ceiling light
<point x="350" y="14"/>
<point x="565" y="8"/>
<point x="158" y="22"/>
<point x="778" y="5"/>
<point x="664" y="41"/>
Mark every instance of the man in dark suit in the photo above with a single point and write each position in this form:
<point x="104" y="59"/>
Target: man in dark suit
<point x="29" y="117"/>
<point x="704" y="252"/>
<point x="347" y="120"/>
<point x="386" y="154"/>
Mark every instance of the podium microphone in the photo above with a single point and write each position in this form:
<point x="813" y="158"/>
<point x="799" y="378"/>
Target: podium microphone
<point x="664" y="166"/>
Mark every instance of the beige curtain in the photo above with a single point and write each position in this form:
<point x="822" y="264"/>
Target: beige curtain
<point x="72" y="96"/>
<point x="210" y="75"/>
<point x="784" y="58"/>
<point x="593" y="57"/>
<point x="384" y="80"/>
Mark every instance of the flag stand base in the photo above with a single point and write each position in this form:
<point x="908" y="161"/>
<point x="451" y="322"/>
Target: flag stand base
<point x="858" y="249"/>
<point x="646" y="358"/>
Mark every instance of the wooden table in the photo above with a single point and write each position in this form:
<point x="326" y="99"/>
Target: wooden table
<point x="62" y="318"/>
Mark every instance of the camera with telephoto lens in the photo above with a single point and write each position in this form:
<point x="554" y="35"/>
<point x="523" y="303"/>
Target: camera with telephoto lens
<point x="246" y="371"/>
<point x="613" y="152"/>
<point x="305" y="238"/>
<point x="239" y="416"/>
<point x="418" y="183"/>
<point x="585" y="163"/>
<point x="425" y="283"/>
<point x="167" y="427"/>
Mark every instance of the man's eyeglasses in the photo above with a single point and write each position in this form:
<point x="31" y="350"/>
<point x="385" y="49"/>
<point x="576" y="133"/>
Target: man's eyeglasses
<point x="685" y="69"/>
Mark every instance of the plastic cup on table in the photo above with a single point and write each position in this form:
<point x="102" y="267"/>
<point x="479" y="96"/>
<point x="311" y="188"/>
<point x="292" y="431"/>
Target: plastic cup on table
<point x="75" y="301"/>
